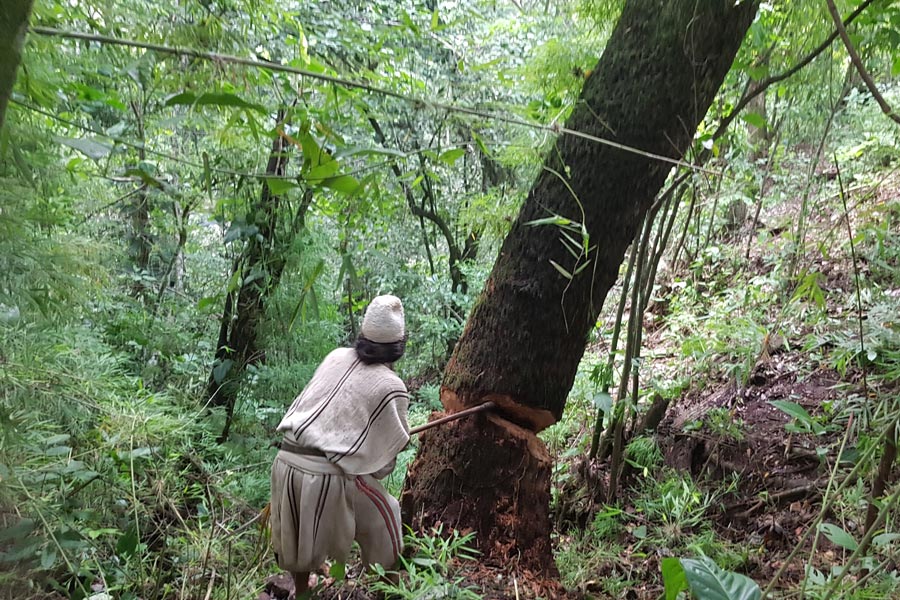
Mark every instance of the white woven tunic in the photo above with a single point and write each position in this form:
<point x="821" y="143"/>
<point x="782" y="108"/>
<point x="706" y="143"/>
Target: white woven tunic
<point x="351" y="419"/>
<point x="352" y="412"/>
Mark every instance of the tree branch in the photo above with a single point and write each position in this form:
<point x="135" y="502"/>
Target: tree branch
<point x="419" y="103"/>
<point x="768" y="81"/>
<point x="857" y="62"/>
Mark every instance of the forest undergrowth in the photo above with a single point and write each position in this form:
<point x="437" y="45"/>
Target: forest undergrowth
<point x="132" y="496"/>
<point x="771" y="336"/>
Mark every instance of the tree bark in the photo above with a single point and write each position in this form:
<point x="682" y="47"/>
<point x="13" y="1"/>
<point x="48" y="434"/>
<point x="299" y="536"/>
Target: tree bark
<point x="13" y="23"/>
<point x="525" y="337"/>
<point x="141" y="240"/>
<point x="260" y="267"/>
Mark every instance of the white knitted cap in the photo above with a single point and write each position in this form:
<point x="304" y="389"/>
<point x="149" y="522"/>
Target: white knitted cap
<point x="384" y="322"/>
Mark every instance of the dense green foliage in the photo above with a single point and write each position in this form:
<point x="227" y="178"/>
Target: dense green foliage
<point x="132" y="197"/>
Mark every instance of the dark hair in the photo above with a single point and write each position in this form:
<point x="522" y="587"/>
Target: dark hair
<point x="373" y="352"/>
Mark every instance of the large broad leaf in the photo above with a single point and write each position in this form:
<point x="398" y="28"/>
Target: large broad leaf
<point x="708" y="582"/>
<point x="221" y="370"/>
<point x="93" y="149"/>
<point x="325" y="170"/>
<point x="223" y="99"/>
<point x="148" y="179"/>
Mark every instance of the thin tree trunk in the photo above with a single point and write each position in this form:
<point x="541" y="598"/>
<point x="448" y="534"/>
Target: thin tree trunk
<point x="13" y="23"/>
<point x="526" y="335"/>
<point x="260" y="268"/>
<point x="138" y="210"/>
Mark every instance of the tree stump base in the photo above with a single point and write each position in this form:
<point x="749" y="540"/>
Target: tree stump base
<point x="487" y="475"/>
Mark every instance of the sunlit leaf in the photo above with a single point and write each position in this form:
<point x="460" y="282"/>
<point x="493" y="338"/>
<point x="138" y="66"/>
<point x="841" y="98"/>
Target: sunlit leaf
<point x="754" y="119"/>
<point x="603" y="401"/>
<point x="451" y="156"/>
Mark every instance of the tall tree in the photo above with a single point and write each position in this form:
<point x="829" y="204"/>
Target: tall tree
<point x="13" y="22"/>
<point x="268" y="231"/>
<point x="523" y="341"/>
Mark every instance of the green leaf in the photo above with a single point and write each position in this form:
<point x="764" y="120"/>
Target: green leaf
<point x="142" y="452"/>
<point x="754" y="119"/>
<point x="481" y="145"/>
<point x="313" y="154"/>
<point x="673" y="577"/>
<point x="435" y="18"/>
<point x="883" y="539"/>
<point x="708" y="582"/>
<point x="323" y="171"/>
<point x="223" y="99"/>
<point x="55" y="440"/>
<point x="207" y="175"/>
<point x="279" y="187"/>
<point x="793" y="409"/>
<point x="58" y="451"/>
<point x="838" y="536"/>
<point x="221" y="370"/>
<point x="603" y="401"/>
<point x="308" y="294"/>
<point x="338" y="571"/>
<point x="141" y="173"/>
<point x="91" y="148"/>
<point x="128" y="542"/>
<point x="554" y="220"/>
<point x="451" y="156"/>
<point x="206" y="303"/>
<point x="408" y="22"/>
<point x="342" y="183"/>
<point x="48" y="557"/>
<point x="559" y="268"/>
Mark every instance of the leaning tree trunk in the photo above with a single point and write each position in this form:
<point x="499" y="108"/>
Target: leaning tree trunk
<point x="526" y="334"/>
<point x="13" y="23"/>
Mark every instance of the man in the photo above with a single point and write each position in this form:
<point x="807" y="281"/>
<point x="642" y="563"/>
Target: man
<point x="341" y="435"/>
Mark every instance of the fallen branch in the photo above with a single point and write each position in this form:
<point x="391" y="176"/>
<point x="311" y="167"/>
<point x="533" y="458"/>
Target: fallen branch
<point x="810" y="489"/>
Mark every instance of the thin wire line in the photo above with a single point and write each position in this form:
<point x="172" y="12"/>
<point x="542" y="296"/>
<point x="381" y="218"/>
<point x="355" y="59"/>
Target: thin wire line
<point x="228" y="58"/>
<point x="190" y="163"/>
